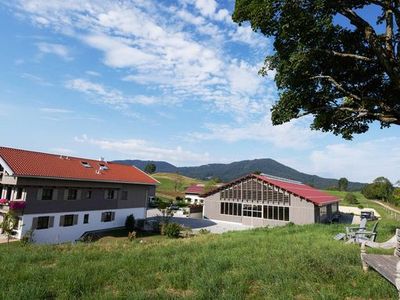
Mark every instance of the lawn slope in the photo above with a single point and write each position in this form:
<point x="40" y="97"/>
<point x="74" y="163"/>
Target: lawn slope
<point x="173" y="184"/>
<point x="301" y="262"/>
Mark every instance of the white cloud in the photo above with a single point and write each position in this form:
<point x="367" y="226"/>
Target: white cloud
<point x="56" y="49"/>
<point x="93" y="73"/>
<point x="295" y="134"/>
<point x="113" y="97"/>
<point x="37" y="79"/>
<point x="158" y="44"/>
<point x="245" y="34"/>
<point x="53" y="110"/>
<point x="142" y="149"/>
<point x="362" y="161"/>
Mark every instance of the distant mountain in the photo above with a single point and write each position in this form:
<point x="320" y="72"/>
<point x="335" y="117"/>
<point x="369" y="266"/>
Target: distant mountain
<point x="228" y="172"/>
<point x="162" y="166"/>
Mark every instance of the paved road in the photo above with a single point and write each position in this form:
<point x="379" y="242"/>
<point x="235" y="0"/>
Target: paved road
<point x="197" y="224"/>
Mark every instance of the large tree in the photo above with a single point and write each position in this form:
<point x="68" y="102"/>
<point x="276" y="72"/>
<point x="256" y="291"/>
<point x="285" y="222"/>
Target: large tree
<point x="345" y="76"/>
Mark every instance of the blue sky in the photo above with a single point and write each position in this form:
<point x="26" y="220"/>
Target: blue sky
<point x="161" y="80"/>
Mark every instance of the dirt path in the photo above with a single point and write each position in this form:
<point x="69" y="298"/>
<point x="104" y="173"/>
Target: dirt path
<point x="387" y="207"/>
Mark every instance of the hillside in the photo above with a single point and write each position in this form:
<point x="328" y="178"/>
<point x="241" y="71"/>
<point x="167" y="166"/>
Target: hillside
<point x="228" y="172"/>
<point x="173" y="184"/>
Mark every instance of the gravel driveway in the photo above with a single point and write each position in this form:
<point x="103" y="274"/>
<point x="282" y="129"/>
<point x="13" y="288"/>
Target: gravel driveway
<point x="197" y="224"/>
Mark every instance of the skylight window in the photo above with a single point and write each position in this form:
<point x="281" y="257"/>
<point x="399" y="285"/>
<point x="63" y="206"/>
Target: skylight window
<point x="86" y="164"/>
<point x="103" y="167"/>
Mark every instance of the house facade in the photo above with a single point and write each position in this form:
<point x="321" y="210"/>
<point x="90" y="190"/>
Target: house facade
<point x="193" y="194"/>
<point x="59" y="198"/>
<point x="262" y="200"/>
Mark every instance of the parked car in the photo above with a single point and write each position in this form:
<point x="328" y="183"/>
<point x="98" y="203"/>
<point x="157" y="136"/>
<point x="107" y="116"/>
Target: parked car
<point x="369" y="215"/>
<point x="174" y="207"/>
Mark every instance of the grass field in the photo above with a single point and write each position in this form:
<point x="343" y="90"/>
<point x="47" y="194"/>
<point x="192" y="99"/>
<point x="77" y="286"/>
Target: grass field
<point x="292" y="262"/>
<point x="173" y="185"/>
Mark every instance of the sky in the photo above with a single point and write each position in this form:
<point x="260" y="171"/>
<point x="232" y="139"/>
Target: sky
<point x="159" y="80"/>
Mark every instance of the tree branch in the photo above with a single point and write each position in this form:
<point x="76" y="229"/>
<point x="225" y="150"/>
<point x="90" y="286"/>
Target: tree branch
<point x="387" y="62"/>
<point x="349" y="55"/>
<point x="338" y="86"/>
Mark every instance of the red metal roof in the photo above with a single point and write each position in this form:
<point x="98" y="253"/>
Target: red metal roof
<point x="309" y="193"/>
<point x="195" y="189"/>
<point x="25" y="163"/>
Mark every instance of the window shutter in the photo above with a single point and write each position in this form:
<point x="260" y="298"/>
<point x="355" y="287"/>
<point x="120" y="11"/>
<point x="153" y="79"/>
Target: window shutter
<point x="102" y="217"/>
<point x="55" y="194"/>
<point x="75" y="219"/>
<point x="51" y="222"/>
<point x="115" y="194"/>
<point x="105" y="194"/>
<point x="79" y="194"/>
<point x="112" y="216"/>
<point x="61" y="221"/>
<point x="39" y="194"/>
<point x="65" y="194"/>
<point x="34" y="223"/>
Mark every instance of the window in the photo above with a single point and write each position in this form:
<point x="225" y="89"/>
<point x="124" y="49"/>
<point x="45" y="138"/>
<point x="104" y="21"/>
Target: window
<point x="124" y="195"/>
<point x="86" y="164"/>
<point x="247" y="210"/>
<point x="67" y="220"/>
<point x="72" y="194"/>
<point x="276" y="213"/>
<point x="47" y="194"/>
<point x="257" y="211"/>
<point x="334" y="208"/>
<point x="42" y="222"/>
<point x="103" y="167"/>
<point x="85" y="218"/>
<point x="107" y="216"/>
<point x="19" y="193"/>
<point x="230" y="208"/>
<point x="88" y="194"/>
<point x="110" y="194"/>
<point x="323" y="211"/>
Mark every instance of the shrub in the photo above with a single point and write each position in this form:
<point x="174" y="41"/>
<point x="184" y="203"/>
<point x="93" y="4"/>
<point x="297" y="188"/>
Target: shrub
<point x="132" y="236"/>
<point x="130" y="223"/>
<point x="27" y="238"/>
<point x="351" y="198"/>
<point x="178" y="198"/>
<point x="204" y="231"/>
<point x="172" y="230"/>
<point x="360" y="206"/>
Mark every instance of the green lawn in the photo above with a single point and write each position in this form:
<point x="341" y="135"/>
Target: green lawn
<point x="301" y="262"/>
<point x="292" y="262"/>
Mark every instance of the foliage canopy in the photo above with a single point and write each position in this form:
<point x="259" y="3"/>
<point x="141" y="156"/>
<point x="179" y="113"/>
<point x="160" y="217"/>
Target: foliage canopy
<point x="344" y="76"/>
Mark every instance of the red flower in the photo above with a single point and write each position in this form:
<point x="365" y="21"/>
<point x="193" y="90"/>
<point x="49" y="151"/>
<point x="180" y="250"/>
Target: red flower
<point x="3" y="201"/>
<point x="16" y="205"/>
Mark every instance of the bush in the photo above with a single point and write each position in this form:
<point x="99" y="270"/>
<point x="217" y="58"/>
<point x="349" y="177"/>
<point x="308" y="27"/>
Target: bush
<point x="130" y="223"/>
<point x="172" y="230"/>
<point x="360" y="206"/>
<point x="351" y="198"/>
<point x="204" y="231"/>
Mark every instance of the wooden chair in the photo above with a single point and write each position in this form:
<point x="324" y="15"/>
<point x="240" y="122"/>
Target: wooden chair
<point x="386" y="265"/>
<point x="351" y="231"/>
<point x="366" y="235"/>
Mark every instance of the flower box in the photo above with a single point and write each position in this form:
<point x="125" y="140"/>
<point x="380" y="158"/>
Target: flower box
<point x="3" y="201"/>
<point x="17" y="205"/>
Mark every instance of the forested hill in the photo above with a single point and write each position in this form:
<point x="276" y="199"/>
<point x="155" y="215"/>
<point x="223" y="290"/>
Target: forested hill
<point x="228" y="172"/>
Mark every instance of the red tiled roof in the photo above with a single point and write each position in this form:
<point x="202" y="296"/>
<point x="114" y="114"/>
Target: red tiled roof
<point x="195" y="189"/>
<point x="301" y="190"/>
<point x="36" y="164"/>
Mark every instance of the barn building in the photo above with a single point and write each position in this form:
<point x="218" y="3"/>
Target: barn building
<point x="264" y="200"/>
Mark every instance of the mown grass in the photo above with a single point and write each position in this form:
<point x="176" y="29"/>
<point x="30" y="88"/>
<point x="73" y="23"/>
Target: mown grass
<point x="173" y="185"/>
<point x="293" y="262"/>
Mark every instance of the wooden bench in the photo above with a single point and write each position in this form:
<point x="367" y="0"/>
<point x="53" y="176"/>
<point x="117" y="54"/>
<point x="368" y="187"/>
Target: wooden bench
<point x="386" y="265"/>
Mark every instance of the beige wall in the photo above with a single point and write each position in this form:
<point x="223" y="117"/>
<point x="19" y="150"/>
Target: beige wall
<point x="300" y="212"/>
